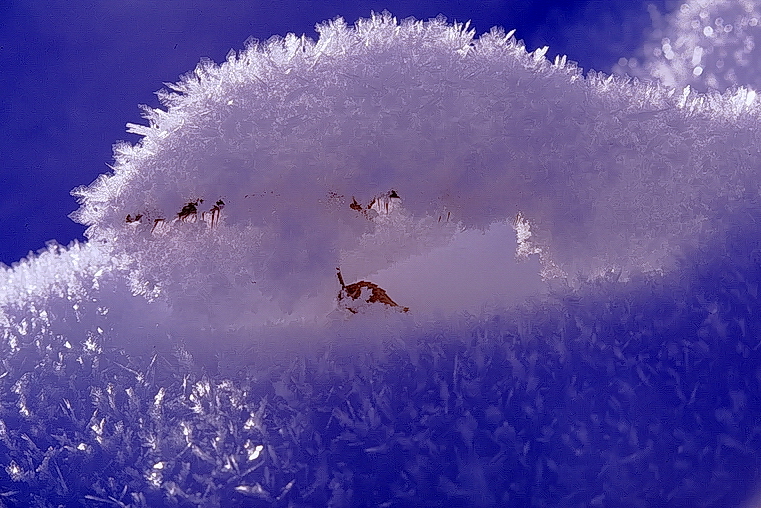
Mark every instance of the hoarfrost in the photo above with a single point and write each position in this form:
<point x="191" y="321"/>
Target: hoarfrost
<point x="291" y="136"/>
<point x="706" y="44"/>
<point x="386" y="150"/>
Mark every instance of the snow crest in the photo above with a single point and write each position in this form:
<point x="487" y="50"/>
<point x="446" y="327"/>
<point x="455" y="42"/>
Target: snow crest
<point x="285" y="136"/>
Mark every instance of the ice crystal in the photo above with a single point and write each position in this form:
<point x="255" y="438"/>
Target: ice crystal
<point x="706" y="44"/>
<point x="305" y="143"/>
<point x="630" y="382"/>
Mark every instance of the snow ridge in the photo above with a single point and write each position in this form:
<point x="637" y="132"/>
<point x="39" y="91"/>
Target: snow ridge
<point x="612" y="174"/>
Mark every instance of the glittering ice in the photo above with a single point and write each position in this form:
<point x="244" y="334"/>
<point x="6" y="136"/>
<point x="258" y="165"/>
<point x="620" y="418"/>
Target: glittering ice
<point x="579" y="255"/>
<point x="706" y="44"/>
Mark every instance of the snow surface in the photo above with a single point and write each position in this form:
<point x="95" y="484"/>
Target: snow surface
<point x="579" y="256"/>
<point x="612" y="175"/>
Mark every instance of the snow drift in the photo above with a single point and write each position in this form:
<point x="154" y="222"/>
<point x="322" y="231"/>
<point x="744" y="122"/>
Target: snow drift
<point x="385" y="150"/>
<point x="236" y="206"/>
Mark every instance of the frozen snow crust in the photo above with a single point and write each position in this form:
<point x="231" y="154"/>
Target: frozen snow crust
<point x="200" y="360"/>
<point x="612" y="175"/>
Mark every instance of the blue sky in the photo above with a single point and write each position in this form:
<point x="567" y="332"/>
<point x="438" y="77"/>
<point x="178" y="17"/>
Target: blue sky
<point x="74" y="73"/>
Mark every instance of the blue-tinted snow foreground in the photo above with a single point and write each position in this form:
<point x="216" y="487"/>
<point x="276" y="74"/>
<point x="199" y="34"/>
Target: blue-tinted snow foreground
<point x="579" y="256"/>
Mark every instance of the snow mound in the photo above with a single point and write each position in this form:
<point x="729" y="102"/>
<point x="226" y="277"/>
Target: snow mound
<point x="416" y="160"/>
<point x="241" y="199"/>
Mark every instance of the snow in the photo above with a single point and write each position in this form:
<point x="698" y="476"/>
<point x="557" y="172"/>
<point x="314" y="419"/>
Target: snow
<point x="706" y="44"/>
<point x="290" y="133"/>
<point x="477" y="271"/>
<point x="574" y="258"/>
